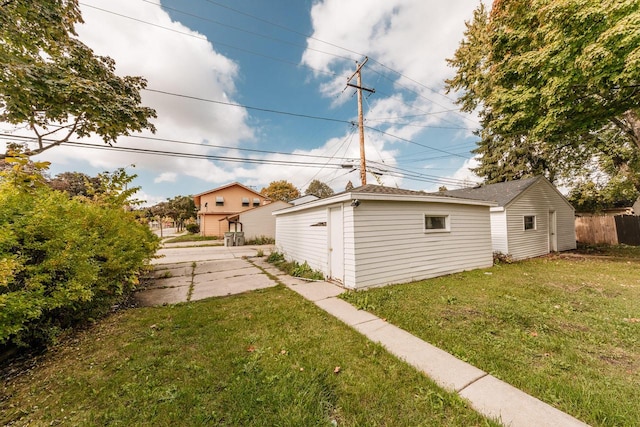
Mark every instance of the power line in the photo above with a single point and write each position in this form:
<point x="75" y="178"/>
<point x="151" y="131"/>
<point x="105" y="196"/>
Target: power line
<point x="284" y="28"/>
<point x="359" y="54"/>
<point x="175" y="141"/>
<point x="233" y="27"/>
<point x="248" y="107"/>
<point x="282" y="41"/>
<point x="203" y="38"/>
<point x="413" y="142"/>
<point x="432" y="113"/>
<point x="390" y="170"/>
<point x="307" y="116"/>
<point x="348" y="138"/>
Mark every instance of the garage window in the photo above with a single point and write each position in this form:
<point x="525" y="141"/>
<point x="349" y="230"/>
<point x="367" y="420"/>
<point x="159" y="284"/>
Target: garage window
<point x="530" y="222"/>
<point x="433" y="223"/>
<point x="256" y="202"/>
<point x="219" y="201"/>
<point x="245" y="201"/>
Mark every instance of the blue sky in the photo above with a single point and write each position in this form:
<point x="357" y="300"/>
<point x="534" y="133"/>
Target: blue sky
<point x="274" y="62"/>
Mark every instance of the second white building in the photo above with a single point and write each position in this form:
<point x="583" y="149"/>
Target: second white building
<point x="375" y="236"/>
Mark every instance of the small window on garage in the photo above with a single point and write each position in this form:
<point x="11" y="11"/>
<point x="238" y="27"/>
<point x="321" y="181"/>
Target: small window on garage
<point x="219" y="201"/>
<point x="245" y="201"/>
<point x="436" y="223"/>
<point x="530" y="222"/>
<point x="256" y="202"/>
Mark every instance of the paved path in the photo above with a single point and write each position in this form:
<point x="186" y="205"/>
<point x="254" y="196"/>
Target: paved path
<point x="188" y="274"/>
<point x="184" y="274"/>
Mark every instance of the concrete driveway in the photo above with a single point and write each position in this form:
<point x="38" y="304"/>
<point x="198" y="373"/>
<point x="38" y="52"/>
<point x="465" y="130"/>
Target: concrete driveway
<point x="192" y="273"/>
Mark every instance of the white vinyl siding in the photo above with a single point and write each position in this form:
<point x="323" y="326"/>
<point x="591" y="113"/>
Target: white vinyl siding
<point x="260" y="221"/>
<point x="392" y="247"/>
<point x="499" y="231"/>
<point x="300" y="237"/>
<point x="348" y="229"/>
<point x="538" y="200"/>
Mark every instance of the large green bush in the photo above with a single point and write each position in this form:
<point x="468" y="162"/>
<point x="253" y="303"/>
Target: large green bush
<point x="63" y="261"/>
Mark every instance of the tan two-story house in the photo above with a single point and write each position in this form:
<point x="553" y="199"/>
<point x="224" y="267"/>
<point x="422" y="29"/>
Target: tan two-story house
<point x="216" y="207"/>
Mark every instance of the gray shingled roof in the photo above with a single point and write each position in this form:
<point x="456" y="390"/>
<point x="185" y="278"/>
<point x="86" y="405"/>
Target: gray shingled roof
<point x="502" y="193"/>
<point x="379" y="189"/>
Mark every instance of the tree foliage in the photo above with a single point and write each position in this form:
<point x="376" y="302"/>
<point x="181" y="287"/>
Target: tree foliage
<point x="63" y="261"/>
<point x="589" y="196"/>
<point x="55" y="85"/>
<point x="74" y="183"/>
<point x="557" y="86"/>
<point x="281" y="190"/>
<point x="179" y="209"/>
<point x="319" y="189"/>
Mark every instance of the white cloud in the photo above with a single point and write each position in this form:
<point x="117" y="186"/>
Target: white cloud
<point x="166" y="177"/>
<point x="412" y="37"/>
<point x="465" y="174"/>
<point x="148" y="199"/>
<point x="185" y="64"/>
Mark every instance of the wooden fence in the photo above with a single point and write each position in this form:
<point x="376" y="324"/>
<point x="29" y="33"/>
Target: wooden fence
<point x="610" y="230"/>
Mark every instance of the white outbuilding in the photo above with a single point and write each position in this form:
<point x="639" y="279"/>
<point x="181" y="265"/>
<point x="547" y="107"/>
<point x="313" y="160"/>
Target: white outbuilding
<point x="532" y="217"/>
<point x="374" y="236"/>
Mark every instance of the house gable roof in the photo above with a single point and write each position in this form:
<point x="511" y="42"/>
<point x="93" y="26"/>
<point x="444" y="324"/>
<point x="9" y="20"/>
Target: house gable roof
<point x="231" y="185"/>
<point x="381" y="193"/>
<point x="502" y="193"/>
<point x="304" y="199"/>
<point x="379" y="189"/>
<point x="278" y="204"/>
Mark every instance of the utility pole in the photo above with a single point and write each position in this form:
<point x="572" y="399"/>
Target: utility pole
<point x="358" y="73"/>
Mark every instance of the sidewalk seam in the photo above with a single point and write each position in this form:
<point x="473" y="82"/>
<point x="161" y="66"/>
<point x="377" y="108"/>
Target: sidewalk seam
<point x="366" y="321"/>
<point x="192" y="284"/>
<point x="472" y="382"/>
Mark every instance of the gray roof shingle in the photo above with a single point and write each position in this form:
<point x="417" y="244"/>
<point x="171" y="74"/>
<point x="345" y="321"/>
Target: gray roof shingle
<point x="379" y="189"/>
<point x="502" y="193"/>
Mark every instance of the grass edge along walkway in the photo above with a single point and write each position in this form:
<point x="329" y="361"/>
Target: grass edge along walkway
<point x="267" y="357"/>
<point x="563" y="330"/>
<point x="488" y="395"/>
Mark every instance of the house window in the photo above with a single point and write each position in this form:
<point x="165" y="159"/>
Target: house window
<point x="436" y="223"/>
<point x="219" y="201"/>
<point x="245" y="201"/>
<point x="256" y="202"/>
<point x="529" y="222"/>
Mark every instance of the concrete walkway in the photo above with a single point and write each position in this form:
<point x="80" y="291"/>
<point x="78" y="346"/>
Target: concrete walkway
<point x="192" y="273"/>
<point x="487" y="395"/>
<point x="218" y="271"/>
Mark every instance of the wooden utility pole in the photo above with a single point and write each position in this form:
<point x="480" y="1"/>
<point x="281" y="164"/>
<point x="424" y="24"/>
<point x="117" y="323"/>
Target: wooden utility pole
<point x="358" y="73"/>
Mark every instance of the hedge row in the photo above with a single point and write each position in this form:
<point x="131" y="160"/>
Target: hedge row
<point x="63" y="262"/>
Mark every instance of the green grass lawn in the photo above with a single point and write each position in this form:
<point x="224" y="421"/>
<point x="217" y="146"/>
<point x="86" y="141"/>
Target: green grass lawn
<point x="566" y="330"/>
<point x="192" y="238"/>
<point x="266" y="358"/>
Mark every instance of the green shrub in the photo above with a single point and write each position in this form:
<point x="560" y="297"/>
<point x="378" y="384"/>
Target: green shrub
<point x="293" y="268"/>
<point x="305" y="271"/>
<point x="63" y="261"/>
<point x="261" y="240"/>
<point x="275" y="257"/>
<point x="193" y="228"/>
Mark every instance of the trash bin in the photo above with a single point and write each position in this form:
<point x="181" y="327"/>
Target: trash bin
<point x="239" y="238"/>
<point x="228" y="239"/>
